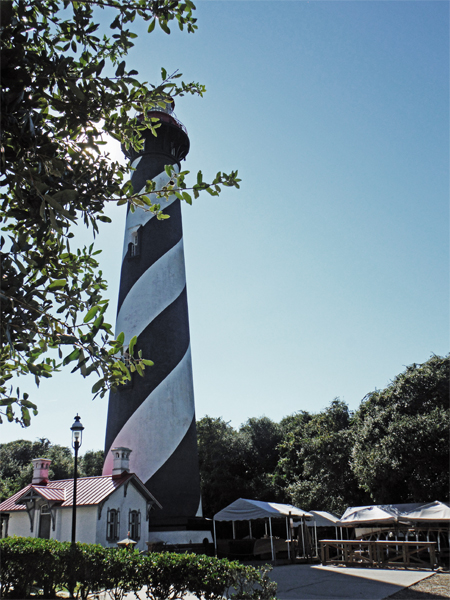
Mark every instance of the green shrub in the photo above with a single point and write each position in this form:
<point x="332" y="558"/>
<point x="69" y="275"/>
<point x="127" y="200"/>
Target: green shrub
<point x="122" y="568"/>
<point x="20" y="562"/>
<point x="41" y="567"/>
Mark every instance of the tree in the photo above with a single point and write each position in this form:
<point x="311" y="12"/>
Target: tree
<point x="263" y="437"/>
<point x="290" y="461"/>
<point x="400" y="452"/>
<point x="64" y="87"/>
<point x="92" y="463"/>
<point x="222" y="457"/>
<point x="237" y="464"/>
<point x="316" y="460"/>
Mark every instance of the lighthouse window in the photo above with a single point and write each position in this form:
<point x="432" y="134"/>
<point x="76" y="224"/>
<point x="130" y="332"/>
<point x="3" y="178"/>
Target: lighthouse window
<point x="134" y="245"/>
<point x="134" y="524"/>
<point x="113" y="525"/>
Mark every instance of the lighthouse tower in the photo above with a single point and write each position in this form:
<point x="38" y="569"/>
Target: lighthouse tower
<point x="154" y="415"/>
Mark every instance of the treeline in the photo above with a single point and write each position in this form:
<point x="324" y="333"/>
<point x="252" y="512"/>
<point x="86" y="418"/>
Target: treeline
<point x="393" y="449"/>
<point x="16" y="470"/>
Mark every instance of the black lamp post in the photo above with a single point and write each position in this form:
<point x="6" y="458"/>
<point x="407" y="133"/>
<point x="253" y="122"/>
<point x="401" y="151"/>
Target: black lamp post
<point x="77" y="435"/>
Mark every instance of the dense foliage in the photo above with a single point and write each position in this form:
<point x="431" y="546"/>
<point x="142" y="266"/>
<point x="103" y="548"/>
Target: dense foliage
<point x="16" y="470"/>
<point x="400" y="451"/>
<point x="65" y="86"/>
<point x="47" y="566"/>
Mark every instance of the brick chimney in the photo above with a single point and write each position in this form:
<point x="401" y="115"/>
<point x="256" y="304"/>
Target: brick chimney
<point x="121" y="461"/>
<point x="40" y="471"/>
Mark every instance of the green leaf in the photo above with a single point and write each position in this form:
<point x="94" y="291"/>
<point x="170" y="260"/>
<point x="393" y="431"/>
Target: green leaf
<point x="131" y="345"/>
<point x="120" y="69"/>
<point x="97" y="386"/>
<point x="76" y="90"/>
<point x="72" y="356"/>
<point x="91" y="314"/>
<point x="57" y="284"/>
<point x="151" y="27"/>
<point x="164" y="26"/>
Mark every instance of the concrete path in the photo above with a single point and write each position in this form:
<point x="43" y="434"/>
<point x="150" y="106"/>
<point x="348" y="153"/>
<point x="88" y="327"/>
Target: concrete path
<point x="308" y="582"/>
<point x="311" y="582"/>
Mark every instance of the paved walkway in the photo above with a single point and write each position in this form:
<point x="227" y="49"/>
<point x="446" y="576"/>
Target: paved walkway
<point x="308" y="582"/>
<point x="311" y="582"/>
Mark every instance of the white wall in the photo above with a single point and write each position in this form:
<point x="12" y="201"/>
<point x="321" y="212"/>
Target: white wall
<point x="85" y="525"/>
<point x="132" y="501"/>
<point x="19" y="524"/>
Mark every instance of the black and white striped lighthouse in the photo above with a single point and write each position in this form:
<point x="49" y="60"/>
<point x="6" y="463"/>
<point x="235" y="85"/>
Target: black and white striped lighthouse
<point x="155" y="415"/>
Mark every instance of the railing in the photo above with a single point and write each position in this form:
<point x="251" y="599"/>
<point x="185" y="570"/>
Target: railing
<point x="378" y="553"/>
<point x="169" y="117"/>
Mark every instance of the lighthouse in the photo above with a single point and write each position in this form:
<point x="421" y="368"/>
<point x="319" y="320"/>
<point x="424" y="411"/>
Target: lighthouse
<point x="154" y="415"/>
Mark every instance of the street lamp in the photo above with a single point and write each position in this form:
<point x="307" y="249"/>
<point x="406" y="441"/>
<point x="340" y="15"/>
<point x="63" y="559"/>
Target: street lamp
<point x="77" y="435"/>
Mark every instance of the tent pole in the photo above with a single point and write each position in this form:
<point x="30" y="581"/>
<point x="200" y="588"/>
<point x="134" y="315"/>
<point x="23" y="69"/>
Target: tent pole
<point x="271" y="538"/>
<point x="288" y="539"/>
<point x="215" y="538"/>
<point x="315" y="532"/>
<point x="234" y="530"/>
<point x="303" y="537"/>
<point x="250" y="529"/>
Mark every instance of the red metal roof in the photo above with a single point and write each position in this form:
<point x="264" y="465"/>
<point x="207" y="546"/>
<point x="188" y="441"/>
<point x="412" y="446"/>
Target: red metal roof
<point x="53" y="494"/>
<point x="90" y="490"/>
<point x="10" y="503"/>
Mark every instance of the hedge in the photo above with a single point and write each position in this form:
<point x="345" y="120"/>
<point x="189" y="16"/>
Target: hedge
<point x="33" y="566"/>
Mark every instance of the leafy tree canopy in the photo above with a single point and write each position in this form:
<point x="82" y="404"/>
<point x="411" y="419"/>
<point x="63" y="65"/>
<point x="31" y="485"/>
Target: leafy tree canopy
<point x="64" y="86"/>
<point x="400" y="452"/>
<point x="315" y="461"/>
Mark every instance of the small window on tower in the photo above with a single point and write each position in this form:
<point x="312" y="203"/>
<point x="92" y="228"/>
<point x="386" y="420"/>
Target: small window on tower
<point x="134" y="245"/>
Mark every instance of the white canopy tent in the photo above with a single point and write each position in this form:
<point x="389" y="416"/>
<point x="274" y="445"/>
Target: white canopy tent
<point x="356" y="516"/>
<point x="429" y="518"/>
<point x="322" y="519"/>
<point x="434" y="511"/>
<point x="249" y="510"/>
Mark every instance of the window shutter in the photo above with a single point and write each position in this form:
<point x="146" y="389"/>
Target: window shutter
<point x="108" y="525"/>
<point x="117" y="532"/>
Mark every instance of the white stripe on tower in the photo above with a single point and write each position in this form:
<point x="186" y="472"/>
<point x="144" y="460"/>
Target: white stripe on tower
<point x="166" y="279"/>
<point x="160" y="407"/>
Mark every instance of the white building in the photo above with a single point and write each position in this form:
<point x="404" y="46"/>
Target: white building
<point x="109" y="507"/>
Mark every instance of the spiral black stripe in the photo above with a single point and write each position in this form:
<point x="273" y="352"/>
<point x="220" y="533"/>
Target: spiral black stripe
<point x="155" y="415"/>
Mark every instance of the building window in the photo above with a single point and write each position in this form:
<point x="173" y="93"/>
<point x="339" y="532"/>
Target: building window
<point x="44" y="522"/>
<point x="113" y="525"/>
<point x="134" y="524"/>
<point x="4" y="521"/>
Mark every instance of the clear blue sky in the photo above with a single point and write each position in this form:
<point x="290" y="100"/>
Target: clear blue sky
<point x="327" y="273"/>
